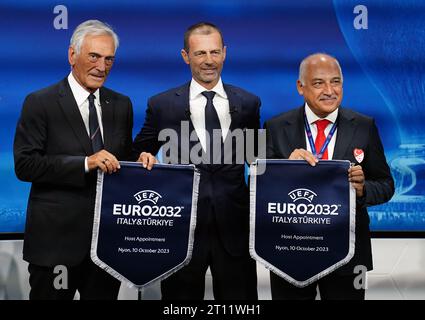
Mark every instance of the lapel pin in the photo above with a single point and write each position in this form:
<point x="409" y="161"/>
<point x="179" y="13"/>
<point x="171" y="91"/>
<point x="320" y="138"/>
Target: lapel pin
<point x="358" y="154"/>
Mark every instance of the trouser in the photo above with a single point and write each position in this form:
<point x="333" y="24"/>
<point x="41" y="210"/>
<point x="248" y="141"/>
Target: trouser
<point x="92" y="282"/>
<point x="331" y="287"/>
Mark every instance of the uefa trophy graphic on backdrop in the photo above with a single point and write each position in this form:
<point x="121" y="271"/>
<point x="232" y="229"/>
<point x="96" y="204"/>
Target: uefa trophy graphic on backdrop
<point x="391" y="51"/>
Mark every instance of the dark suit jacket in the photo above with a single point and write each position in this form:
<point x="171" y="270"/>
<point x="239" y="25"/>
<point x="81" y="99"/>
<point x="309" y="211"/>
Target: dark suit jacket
<point x="51" y="143"/>
<point x="285" y="133"/>
<point x="222" y="187"/>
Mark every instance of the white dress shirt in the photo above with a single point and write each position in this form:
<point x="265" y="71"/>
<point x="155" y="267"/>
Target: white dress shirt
<point x="311" y="118"/>
<point x="81" y="96"/>
<point x="198" y="102"/>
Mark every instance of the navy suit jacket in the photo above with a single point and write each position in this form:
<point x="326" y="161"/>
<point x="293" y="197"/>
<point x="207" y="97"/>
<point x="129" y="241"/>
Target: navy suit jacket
<point x="51" y="143"/>
<point x="222" y="187"/>
<point x="285" y="133"/>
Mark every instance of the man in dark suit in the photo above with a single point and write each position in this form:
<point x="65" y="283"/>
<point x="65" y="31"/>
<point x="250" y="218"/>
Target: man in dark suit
<point x="356" y="139"/>
<point x="222" y="230"/>
<point x="65" y="133"/>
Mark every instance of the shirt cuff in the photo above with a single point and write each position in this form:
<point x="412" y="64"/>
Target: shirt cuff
<point x="86" y="165"/>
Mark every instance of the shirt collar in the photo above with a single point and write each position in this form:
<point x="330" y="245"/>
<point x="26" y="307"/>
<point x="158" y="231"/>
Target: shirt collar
<point x="196" y="89"/>
<point x="81" y="94"/>
<point x="312" y="117"/>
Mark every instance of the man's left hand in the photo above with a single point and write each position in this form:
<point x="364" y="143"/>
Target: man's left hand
<point x="147" y="159"/>
<point x="357" y="178"/>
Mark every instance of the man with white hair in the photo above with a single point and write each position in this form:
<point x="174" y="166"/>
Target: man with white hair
<point x="65" y="133"/>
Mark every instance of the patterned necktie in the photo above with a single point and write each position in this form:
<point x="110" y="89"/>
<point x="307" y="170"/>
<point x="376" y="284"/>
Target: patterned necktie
<point x="95" y="135"/>
<point x="320" y="138"/>
<point x="212" y="122"/>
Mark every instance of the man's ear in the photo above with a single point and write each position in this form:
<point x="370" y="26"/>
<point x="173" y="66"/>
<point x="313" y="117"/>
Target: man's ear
<point x="300" y="88"/>
<point x="185" y="56"/>
<point x="224" y="53"/>
<point x="71" y="56"/>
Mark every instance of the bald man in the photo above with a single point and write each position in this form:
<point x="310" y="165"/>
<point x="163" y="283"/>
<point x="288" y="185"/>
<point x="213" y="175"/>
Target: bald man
<point x="320" y="83"/>
<point x="222" y="220"/>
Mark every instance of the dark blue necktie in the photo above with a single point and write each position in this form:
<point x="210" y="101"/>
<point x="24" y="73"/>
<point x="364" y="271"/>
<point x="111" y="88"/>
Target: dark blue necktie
<point x="212" y="122"/>
<point x="95" y="135"/>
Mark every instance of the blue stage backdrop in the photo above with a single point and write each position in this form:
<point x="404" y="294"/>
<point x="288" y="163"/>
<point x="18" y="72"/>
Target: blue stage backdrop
<point x="380" y="44"/>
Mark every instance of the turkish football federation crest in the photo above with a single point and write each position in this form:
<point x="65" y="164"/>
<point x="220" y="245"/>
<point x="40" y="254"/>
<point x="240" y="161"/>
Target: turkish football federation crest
<point x="358" y="155"/>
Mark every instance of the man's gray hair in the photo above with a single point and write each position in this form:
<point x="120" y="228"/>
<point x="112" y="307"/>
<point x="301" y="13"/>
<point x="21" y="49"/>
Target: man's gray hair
<point x="306" y="60"/>
<point x="91" y="27"/>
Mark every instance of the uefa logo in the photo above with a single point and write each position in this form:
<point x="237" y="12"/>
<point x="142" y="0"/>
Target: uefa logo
<point x="302" y="194"/>
<point x="147" y="195"/>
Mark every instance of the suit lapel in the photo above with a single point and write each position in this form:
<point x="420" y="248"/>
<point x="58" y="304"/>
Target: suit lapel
<point x="73" y="115"/>
<point x="181" y="101"/>
<point x="107" y="104"/>
<point x="182" y="109"/>
<point x="181" y="104"/>
<point x="294" y="130"/>
<point x="235" y="108"/>
<point x="345" y="133"/>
